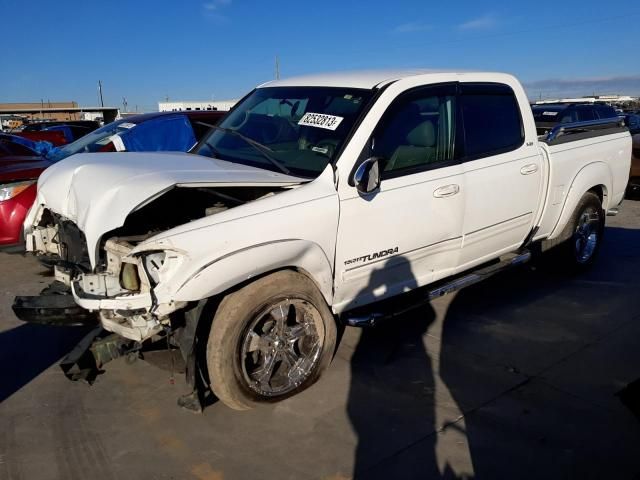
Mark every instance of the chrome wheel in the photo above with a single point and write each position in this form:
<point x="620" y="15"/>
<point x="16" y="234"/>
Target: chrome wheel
<point x="587" y="233"/>
<point x="282" y="347"/>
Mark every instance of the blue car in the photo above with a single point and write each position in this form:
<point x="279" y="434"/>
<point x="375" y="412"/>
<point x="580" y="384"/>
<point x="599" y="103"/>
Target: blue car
<point x="149" y="132"/>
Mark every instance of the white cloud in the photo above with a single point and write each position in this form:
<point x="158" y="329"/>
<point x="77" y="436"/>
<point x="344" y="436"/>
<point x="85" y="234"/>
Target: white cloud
<point x="485" y="22"/>
<point x="412" y="27"/>
<point x="215" y="4"/>
<point x="212" y="11"/>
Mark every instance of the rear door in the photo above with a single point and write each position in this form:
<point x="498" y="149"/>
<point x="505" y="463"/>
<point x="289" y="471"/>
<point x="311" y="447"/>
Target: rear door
<point x="503" y="173"/>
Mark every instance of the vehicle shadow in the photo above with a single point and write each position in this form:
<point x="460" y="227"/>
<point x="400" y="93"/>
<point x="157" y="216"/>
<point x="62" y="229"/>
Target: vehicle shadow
<point x="28" y="350"/>
<point x="391" y="396"/>
<point x="524" y="322"/>
<point x="490" y="338"/>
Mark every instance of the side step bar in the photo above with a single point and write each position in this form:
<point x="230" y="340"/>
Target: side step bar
<point x="426" y="294"/>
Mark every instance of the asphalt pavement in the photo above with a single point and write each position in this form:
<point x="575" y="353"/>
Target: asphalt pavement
<point x="529" y="375"/>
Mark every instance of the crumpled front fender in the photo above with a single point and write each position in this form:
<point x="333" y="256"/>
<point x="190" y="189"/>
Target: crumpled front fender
<point x="237" y="267"/>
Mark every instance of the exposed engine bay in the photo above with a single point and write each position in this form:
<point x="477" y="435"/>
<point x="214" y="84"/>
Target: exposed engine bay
<point x="64" y="244"/>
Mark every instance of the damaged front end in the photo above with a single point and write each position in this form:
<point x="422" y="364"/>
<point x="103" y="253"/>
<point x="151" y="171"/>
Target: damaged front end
<point x="121" y="290"/>
<point x="118" y="295"/>
<point x="123" y="294"/>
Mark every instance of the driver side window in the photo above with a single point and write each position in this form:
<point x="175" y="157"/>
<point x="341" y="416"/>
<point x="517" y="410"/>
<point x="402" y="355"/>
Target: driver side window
<point x="417" y="132"/>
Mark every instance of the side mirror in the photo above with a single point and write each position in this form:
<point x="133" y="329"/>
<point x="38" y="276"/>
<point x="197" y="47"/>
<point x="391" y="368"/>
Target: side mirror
<point x="367" y="176"/>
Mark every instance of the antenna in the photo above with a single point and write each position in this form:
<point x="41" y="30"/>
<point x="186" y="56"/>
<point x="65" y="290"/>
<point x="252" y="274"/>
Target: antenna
<point x="277" y="68"/>
<point x="100" y="93"/>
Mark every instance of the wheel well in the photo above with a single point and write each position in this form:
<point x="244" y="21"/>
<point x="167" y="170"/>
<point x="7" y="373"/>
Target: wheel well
<point x="244" y="283"/>
<point x="197" y="374"/>
<point x="601" y="192"/>
<point x="196" y="324"/>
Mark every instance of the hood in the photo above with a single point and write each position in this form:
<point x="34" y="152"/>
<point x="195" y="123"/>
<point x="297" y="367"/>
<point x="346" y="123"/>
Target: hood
<point x="21" y="167"/>
<point x="97" y="191"/>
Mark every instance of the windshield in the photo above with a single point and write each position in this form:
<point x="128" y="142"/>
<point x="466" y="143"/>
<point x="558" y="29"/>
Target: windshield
<point x="96" y="141"/>
<point x="296" y="129"/>
<point x="163" y="133"/>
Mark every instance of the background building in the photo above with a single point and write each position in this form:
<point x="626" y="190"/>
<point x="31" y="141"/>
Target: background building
<point x="204" y="105"/>
<point x="40" y="110"/>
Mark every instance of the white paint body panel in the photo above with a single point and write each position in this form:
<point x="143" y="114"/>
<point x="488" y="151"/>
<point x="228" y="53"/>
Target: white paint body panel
<point x="318" y="227"/>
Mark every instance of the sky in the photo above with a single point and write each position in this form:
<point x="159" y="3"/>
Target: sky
<point x="147" y="51"/>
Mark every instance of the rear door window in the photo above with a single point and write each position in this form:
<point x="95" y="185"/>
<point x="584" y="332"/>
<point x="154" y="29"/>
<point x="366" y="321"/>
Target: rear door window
<point x="604" y="111"/>
<point x="586" y="113"/>
<point x="492" y="120"/>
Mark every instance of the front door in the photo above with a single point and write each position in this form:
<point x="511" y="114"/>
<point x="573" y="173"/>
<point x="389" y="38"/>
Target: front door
<point x="409" y="231"/>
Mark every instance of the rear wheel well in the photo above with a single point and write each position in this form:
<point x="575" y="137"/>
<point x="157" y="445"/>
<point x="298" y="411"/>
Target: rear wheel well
<point x="601" y="192"/>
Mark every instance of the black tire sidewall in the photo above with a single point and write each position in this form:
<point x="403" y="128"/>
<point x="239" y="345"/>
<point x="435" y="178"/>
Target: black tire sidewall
<point x="231" y="321"/>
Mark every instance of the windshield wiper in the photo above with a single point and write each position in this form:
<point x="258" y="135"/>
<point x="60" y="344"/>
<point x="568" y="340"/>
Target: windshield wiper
<point x="263" y="149"/>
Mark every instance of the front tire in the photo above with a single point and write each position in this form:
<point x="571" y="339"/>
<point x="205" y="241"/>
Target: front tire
<point x="269" y="340"/>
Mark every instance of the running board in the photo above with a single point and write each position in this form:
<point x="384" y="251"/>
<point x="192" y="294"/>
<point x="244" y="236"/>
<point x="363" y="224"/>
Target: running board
<point x="397" y="306"/>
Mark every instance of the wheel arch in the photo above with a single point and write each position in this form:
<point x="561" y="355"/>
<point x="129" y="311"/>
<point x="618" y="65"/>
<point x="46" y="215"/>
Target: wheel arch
<point x="243" y="266"/>
<point x="304" y="257"/>
<point x="594" y="177"/>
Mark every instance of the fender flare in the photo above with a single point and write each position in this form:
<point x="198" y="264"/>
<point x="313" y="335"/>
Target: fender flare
<point x="237" y="267"/>
<point x="596" y="174"/>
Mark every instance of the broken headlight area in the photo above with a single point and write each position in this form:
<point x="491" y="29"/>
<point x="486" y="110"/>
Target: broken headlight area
<point x="140" y="272"/>
<point x="129" y="278"/>
<point x="153" y="263"/>
<point x="123" y="294"/>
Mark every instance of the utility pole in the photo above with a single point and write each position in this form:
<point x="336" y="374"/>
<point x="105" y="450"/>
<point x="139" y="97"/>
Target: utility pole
<point x="277" y="68"/>
<point x="124" y="104"/>
<point x="100" y="93"/>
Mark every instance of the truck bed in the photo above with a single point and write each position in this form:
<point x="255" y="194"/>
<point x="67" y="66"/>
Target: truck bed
<point x="573" y="151"/>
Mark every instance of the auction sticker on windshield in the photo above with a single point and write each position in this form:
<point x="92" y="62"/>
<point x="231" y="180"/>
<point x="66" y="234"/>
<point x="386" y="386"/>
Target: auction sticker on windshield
<point x="320" y="120"/>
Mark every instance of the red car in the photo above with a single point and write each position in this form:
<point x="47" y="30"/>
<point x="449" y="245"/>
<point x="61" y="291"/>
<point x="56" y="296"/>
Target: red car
<point x="20" y="168"/>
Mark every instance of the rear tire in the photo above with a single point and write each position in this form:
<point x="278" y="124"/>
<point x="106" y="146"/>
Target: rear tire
<point x="269" y="340"/>
<point x="586" y="232"/>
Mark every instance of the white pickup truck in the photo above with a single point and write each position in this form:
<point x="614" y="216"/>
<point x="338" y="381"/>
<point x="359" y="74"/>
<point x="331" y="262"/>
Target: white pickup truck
<point x="313" y="202"/>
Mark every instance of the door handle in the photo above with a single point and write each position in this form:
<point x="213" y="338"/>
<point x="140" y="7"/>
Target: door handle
<point x="529" y="169"/>
<point x="446" y="191"/>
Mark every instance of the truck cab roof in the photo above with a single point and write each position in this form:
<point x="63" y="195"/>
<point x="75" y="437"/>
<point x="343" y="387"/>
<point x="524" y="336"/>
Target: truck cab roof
<point x="365" y="78"/>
